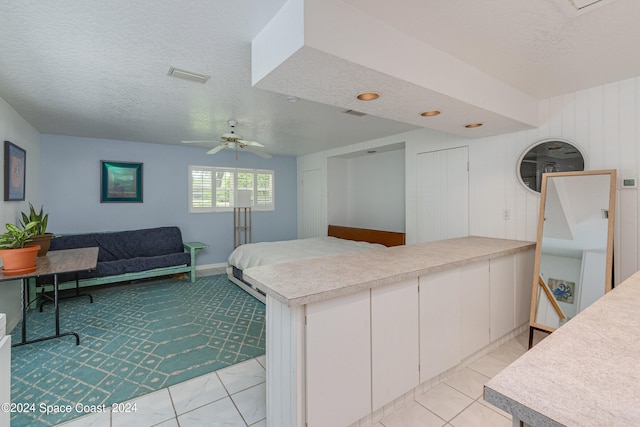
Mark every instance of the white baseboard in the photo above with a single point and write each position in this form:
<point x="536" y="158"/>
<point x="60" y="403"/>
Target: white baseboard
<point x="211" y="266"/>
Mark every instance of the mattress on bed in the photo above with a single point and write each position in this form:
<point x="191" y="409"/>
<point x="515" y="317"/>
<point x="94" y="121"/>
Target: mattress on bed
<point x="265" y="253"/>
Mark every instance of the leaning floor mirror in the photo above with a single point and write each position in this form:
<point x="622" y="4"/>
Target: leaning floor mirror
<point x="574" y="252"/>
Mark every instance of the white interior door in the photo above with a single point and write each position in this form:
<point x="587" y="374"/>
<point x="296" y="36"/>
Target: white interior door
<point x="442" y="194"/>
<point x="311" y="220"/>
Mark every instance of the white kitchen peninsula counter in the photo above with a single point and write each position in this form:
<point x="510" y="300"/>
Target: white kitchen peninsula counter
<point x="304" y="282"/>
<point x="349" y="336"/>
<point x="586" y="373"/>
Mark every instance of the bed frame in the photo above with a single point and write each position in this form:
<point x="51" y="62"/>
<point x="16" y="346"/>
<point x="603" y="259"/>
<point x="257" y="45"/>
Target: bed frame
<point x="386" y="238"/>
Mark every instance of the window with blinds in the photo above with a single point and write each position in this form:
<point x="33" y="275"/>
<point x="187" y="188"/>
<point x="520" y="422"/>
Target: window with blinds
<point x="214" y="189"/>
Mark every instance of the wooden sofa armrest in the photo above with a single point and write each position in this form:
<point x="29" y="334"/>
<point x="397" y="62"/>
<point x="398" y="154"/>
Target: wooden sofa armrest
<point x="193" y="248"/>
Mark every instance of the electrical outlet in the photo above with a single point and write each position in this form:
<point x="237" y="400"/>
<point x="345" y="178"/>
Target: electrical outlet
<point x="506" y="214"/>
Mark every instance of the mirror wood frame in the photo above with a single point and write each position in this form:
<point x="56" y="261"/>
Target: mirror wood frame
<point x="533" y="325"/>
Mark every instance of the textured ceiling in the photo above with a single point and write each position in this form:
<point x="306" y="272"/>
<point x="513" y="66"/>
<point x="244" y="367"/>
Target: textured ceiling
<point x="99" y="69"/>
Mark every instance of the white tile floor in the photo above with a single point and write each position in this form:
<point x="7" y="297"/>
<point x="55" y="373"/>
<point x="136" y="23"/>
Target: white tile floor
<point x="235" y="396"/>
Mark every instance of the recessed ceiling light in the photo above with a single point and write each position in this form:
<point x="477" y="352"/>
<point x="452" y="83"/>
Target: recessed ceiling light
<point x="553" y="148"/>
<point x="292" y="98"/>
<point x="473" y="125"/>
<point x="188" y="75"/>
<point x="430" y="113"/>
<point x="368" y="96"/>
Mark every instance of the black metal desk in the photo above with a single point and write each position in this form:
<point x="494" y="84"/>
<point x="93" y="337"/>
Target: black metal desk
<point x="54" y="263"/>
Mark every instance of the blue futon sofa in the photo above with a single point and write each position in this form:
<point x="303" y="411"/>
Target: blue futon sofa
<point x="132" y="255"/>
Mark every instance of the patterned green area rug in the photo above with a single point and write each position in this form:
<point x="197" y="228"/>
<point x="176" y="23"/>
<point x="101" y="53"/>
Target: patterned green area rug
<point x="134" y="339"/>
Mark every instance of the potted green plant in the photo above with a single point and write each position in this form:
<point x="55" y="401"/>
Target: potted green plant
<point x="40" y="236"/>
<point x="16" y="256"/>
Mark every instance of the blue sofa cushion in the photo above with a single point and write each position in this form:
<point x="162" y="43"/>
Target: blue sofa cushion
<point x="134" y="265"/>
<point x="119" y="245"/>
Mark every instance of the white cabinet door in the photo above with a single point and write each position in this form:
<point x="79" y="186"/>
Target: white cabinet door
<point x="338" y="344"/>
<point x="394" y="341"/>
<point x="5" y="370"/>
<point x="474" y="308"/>
<point x="439" y="322"/>
<point x="502" y="295"/>
<point x="524" y="281"/>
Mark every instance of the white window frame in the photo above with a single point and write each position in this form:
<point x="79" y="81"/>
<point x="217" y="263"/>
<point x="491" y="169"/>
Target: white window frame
<point x="211" y="186"/>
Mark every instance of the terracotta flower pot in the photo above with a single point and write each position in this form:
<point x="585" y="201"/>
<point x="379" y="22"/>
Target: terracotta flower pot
<point x="19" y="261"/>
<point x="44" y="241"/>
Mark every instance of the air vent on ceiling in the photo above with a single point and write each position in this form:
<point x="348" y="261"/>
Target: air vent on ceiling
<point x="355" y="113"/>
<point x="188" y="75"/>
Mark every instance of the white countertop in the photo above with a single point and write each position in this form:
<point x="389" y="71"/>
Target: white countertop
<point x="313" y="280"/>
<point x="586" y="373"/>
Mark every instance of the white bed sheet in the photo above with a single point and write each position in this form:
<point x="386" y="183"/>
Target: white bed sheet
<point x="265" y="253"/>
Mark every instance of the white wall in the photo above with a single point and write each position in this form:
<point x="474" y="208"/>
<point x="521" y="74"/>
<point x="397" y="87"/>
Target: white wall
<point x="603" y="121"/>
<point x="321" y="201"/>
<point x="15" y="129"/>
<point x="376" y="191"/>
<point x="367" y="191"/>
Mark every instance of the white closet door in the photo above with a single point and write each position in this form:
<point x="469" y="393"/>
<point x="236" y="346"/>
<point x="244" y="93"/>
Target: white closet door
<point x="442" y="194"/>
<point x="311" y="220"/>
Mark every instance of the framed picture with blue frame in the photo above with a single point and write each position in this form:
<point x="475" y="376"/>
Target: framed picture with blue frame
<point x="15" y="167"/>
<point x="120" y="182"/>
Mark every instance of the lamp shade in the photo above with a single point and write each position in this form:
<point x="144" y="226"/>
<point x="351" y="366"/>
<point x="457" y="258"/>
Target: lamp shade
<point x="244" y="199"/>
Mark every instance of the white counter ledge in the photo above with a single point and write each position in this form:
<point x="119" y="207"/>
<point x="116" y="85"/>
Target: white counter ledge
<point x="308" y="281"/>
<point x="586" y="373"/>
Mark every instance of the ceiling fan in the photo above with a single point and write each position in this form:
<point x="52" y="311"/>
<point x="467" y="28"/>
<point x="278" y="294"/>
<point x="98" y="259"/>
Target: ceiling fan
<point x="233" y="141"/>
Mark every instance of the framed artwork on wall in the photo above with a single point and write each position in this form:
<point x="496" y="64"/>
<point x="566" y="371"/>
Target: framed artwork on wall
<point x="120" y="182"/>
<point x="15" y="160"/>
<point x="563" y="290"/>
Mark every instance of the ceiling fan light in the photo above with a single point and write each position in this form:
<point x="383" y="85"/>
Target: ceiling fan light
<point x="231" y="136"/>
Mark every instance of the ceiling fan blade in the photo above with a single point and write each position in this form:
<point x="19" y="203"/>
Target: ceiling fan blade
<point x="257" y="152"/>
<point x="199" y="142"/>
<point x="250" y="143"/>
<point x="214" y="150"/>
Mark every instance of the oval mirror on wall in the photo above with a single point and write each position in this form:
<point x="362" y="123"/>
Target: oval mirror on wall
<point x="546" y="156"/>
